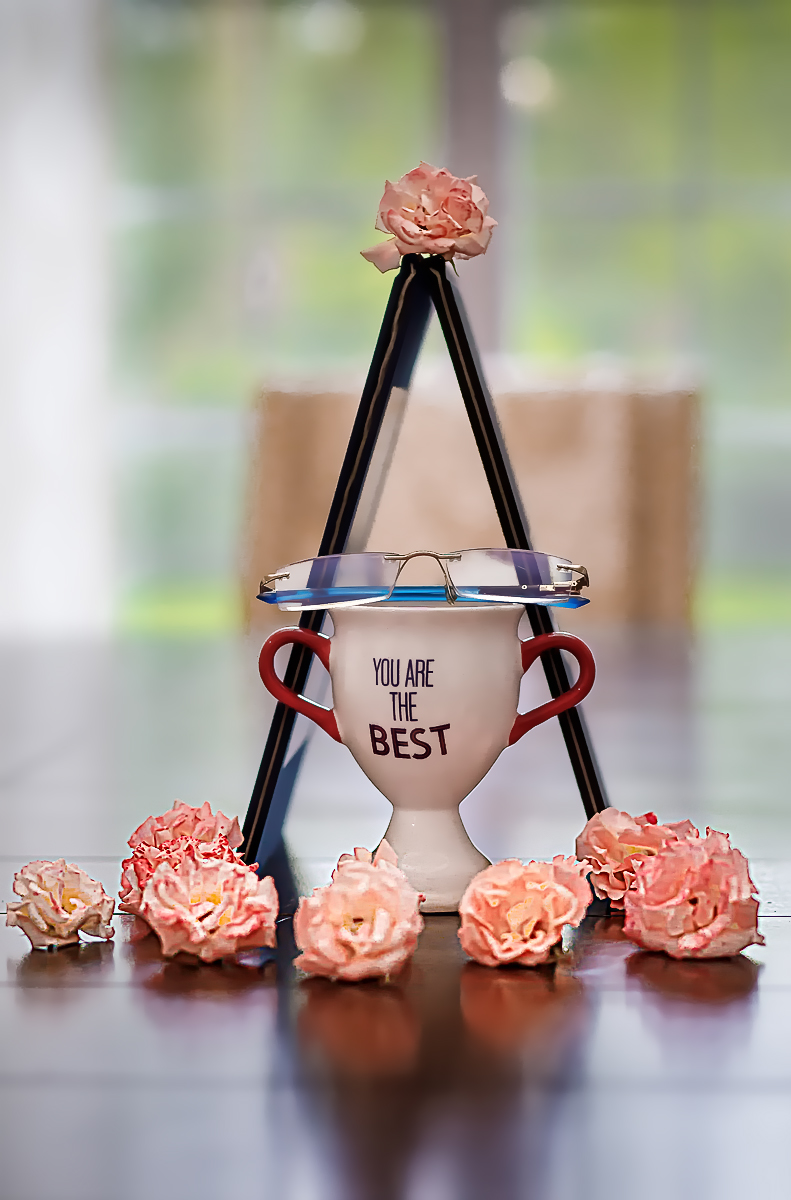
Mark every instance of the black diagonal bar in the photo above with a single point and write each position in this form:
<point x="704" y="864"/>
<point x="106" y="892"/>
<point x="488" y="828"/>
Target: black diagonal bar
<point x="400" y="338"/>
<point x="491" y="447"/>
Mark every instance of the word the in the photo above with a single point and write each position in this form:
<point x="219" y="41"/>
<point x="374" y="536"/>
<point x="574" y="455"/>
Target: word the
<point x="380" y="744"/>
<point x="406" y="707"/>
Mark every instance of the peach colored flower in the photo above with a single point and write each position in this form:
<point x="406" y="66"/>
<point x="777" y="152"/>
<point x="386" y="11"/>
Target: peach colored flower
<point x="613" y="842"/>
<point x="146" y="857"/>
<point x="693" y="899"/>
<point x="184" y="821"/>
<point x="512" y="913"/>
<point x="366" y="923"/>
<point x="209" y="908"/>
<point x="430" y="211"/>
<point x="58" y="901"/>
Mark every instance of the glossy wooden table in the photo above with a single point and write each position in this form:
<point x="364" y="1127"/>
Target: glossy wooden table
<point x="613" y="1074"/>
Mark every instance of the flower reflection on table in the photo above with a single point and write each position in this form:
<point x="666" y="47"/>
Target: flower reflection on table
<point x="208" y="979"/>
<point x="709" y="981"/>
<point x="537" y="1011"/>
<point x="364" y="1030"/>
<point x="400" y="1072"/>
<point x="186" y="975"/>
<point x="700" y="1013"/>
<point x="74" y="967"/>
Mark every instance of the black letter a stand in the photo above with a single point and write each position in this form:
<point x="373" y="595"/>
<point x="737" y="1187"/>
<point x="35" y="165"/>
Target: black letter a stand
<point x="420" y="283"/>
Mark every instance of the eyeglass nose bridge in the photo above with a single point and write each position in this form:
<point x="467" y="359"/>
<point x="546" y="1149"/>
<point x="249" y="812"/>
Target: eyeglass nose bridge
<point x="451" y="595"/>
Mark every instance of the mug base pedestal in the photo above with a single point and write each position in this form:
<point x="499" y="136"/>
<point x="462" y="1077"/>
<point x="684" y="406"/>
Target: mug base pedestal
<point x="436" y="855"/>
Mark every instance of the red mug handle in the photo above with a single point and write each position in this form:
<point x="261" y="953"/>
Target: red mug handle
<point x="531" y="649"/>
<point x="320" y="645"/>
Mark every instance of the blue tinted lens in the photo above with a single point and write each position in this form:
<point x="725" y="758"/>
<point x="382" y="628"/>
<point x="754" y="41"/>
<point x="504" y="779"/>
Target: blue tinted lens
<point x="322" y="597"/>
<point x="327" y="597"/>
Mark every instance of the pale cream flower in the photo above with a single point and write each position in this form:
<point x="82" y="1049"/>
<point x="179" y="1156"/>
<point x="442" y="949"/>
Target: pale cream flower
<point x="59" y="900"/>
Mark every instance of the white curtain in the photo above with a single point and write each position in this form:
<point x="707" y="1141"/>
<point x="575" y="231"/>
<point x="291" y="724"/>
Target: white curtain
<point x="54" y="478"/>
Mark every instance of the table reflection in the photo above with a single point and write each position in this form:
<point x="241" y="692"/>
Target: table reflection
<point x="536" y="1011"/>
<point x="700" y="981"/>
<point x="368" y="1030"/>
<point x="184" y="978"/>
<point x="450" y="1071"/>
<point x="78" y="966"/>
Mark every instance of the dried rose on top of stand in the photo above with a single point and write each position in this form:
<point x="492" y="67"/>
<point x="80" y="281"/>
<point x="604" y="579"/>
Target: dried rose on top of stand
<point x="59" y="900"/>
<point x="430" y="211"/>
<point x="364" y="924"/>
<point x="694" y="899"/>
<point x="516" y="913"/>
<point x="613" y="843"/>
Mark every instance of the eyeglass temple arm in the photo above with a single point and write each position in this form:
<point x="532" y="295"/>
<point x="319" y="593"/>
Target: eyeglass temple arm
<point x="574" y="586"/>
<point x="265" y="585"/>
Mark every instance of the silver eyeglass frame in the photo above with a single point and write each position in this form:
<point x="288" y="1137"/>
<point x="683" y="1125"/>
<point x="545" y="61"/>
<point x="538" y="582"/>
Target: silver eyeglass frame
<point x="565" y="588"/>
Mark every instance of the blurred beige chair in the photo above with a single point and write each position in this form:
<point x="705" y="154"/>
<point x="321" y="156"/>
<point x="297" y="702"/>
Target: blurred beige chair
<point x="608" y="478"/>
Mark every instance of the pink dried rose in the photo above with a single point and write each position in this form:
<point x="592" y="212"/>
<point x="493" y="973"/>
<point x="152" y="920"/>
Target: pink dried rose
<point x="59" y="900"/>
<point x="430" y="211"/>
<point x="365" y="924"/>
<point x="209" y="908"/>
<point x="613" y="843"/>
<point x="184" y="821"/>
<point x="146" y="857"/>
<point x="693" y="899"/>
<point x="512" y="913"/>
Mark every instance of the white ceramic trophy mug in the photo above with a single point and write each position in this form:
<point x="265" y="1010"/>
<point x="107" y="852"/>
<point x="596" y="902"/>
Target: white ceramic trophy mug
<point x="426" y="698"/>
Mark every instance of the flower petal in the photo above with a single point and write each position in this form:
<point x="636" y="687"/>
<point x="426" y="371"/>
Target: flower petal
<point x="385" y="256"/>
